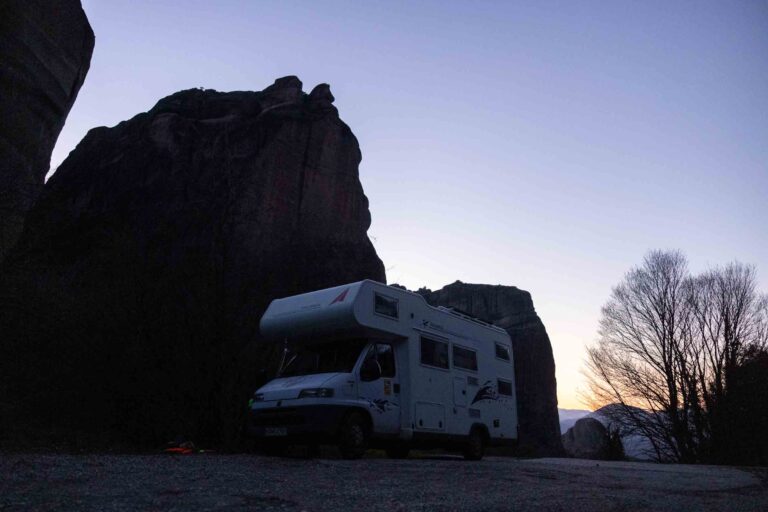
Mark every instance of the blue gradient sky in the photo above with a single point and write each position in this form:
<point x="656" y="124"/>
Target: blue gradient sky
<point x="546" y="145"/>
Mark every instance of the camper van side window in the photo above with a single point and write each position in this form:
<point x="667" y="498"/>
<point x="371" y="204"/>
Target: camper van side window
<point x="386" y="306"/>
<point x="464" y="358"/>
<point x="434" y="353"/>
<point x="502" y="352"/>
<point x="504" y="387"/>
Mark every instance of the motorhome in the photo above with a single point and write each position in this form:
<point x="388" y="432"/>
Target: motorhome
<point x="371" y="365"/>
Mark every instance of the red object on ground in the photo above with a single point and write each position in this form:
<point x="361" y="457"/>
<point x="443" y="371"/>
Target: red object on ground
<point x="179" y="450"/>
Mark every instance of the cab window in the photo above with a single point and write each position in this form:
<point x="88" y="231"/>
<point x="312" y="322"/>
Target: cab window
<point x="328" y="357"/>
<point x="385" y="356"/>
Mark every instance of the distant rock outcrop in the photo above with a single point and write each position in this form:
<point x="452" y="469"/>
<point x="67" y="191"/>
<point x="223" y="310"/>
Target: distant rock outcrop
<point x="569" y="417"/>
<point x="512" y="309"/>
<point x="587" y="439"/>
<point x="132" y="300"/>
<point x="45" y="53"/>
<point x="635" y="445"/>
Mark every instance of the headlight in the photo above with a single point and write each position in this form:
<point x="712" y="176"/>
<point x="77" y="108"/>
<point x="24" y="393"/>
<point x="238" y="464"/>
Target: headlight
<point x="316" y="393"/>
<point x="258" y="397"/>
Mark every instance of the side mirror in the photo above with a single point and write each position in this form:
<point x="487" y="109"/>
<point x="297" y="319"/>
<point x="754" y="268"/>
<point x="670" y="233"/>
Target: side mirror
<point x="370" y="371"/>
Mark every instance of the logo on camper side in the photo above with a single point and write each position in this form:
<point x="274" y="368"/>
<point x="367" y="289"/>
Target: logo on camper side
<point x="380" y="405"/>
<point x="487" y="392"/>
<point x="341" y="297"/>
<point x="433" y="325"/>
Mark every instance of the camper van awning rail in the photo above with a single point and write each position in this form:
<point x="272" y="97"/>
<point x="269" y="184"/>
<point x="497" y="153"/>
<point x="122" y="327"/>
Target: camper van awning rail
<point x="466" y="316"/>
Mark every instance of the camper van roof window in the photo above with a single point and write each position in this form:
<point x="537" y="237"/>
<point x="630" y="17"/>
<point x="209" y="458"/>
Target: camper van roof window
<point x="385" y="306"/>
<point x="502" y="352"/>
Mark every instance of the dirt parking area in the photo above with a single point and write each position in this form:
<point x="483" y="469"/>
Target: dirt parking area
<point x="251" y="482"/>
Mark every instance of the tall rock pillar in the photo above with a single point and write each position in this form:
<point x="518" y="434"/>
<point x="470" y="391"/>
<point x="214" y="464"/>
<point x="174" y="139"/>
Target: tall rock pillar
<point x="512" y="309"/>
<point x="45" y="53"/>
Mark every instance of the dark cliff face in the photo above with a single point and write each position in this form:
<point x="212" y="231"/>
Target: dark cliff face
<point x="512" y="309"/>
<point x="45" y="52"/>
<point x="134" y="294"/>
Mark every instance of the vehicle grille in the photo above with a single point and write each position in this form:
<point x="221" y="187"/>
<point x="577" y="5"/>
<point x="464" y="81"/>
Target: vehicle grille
<point x="278" y="417"/>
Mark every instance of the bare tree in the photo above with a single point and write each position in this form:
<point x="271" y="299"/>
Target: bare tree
<point x="639" y="360"/>
<point x="668" y="345"/>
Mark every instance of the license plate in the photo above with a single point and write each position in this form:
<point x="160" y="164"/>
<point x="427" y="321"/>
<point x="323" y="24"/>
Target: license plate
<point x="275" y="431"/>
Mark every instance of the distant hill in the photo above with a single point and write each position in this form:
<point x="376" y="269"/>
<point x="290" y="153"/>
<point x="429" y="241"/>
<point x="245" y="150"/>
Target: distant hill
<point x="568" y="417"/>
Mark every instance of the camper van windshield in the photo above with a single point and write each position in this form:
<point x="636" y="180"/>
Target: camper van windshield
<point x="331" y="357"/>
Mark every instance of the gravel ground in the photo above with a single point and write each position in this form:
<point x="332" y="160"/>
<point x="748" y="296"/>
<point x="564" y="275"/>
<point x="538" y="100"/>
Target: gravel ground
<point x="250" y="482"/>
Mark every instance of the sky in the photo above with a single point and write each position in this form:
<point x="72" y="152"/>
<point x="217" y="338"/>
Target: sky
<point x="544" y="145"/>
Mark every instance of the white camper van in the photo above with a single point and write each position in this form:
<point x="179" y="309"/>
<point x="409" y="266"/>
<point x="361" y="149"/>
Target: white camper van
<point x="372" y="365"/>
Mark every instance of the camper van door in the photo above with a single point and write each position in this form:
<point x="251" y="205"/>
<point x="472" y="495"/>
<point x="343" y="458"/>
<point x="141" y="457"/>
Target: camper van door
<point x="382" y="394"/>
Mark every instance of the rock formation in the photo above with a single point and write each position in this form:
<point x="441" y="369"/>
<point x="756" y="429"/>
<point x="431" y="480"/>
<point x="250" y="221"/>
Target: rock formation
<point x="587" y="439"/>
<point x="569" y="417"/>
<point x="512" y="309"/>
<point x="45" y="52"/>
<point x="134" y="294"/>
<point x="633" y="444"/>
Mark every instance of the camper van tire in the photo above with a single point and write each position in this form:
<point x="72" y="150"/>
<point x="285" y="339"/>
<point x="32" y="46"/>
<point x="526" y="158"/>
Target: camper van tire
<point x="273" y="449"/>
<point x="475" y="447"/>
<point x="353" y="435"/>
<point x="398" y="451"/>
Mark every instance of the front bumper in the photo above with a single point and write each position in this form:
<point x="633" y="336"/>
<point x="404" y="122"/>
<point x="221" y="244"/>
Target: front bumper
<point x="296" y="423"/>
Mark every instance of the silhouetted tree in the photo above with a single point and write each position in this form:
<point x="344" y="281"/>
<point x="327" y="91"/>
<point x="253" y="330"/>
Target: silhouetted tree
<point x="613" y="434"/>
<point x="744" y="413"/>
<point x="729" y="324"/>
<point x="638" y="360"/>
<point x="669" y="347"/>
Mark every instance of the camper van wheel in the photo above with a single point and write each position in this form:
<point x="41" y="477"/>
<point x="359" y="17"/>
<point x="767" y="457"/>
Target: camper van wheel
<point x="273" y="449"/>
<point x="398" y="451"/>
<point x="475" y="447"/>
<point x="313" y="451"/>
<point x="353" y="436"/>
